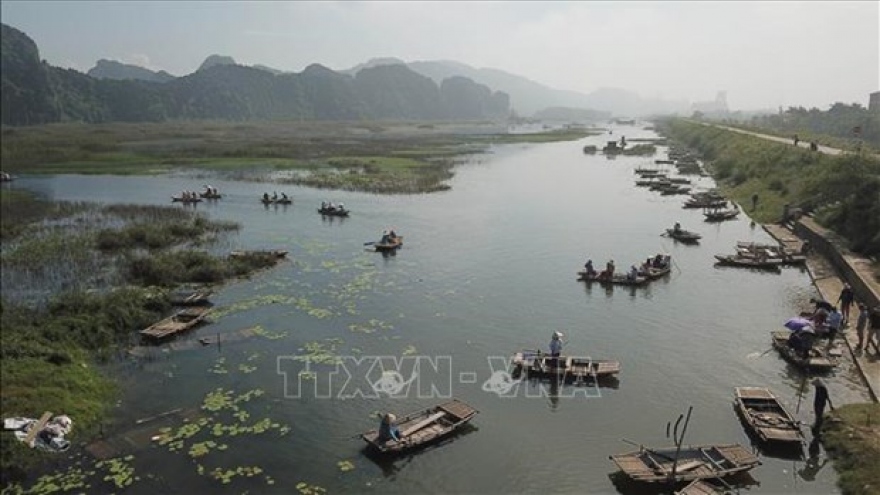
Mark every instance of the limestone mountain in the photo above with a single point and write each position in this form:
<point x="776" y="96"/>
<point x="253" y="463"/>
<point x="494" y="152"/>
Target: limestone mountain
<point x="111" y="69"/>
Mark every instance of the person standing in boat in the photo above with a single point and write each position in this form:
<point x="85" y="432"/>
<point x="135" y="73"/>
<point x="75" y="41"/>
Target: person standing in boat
<point x="388" y="429"/>
<point x="266" y="197"/>
<point x="555" y="347"/>
<point x="820" y="400"/>
<point x="677" y="228"/>
<point x="609" y="270"/>
<point x="633" y="273"/>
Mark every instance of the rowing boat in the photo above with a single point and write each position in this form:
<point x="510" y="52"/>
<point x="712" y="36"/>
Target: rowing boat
<point x="423" y="427"/>
<point x="535" y="364"/>
<point x="691" y="463"/>
<point x="616" y="279"/>
<point x="766" y="417"/>
<point x="817" y="360"/>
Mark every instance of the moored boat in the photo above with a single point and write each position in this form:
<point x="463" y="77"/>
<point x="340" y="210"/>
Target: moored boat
<point x="817" y="359"/>
<point x="177" y="323"/>
<point x="191" y="297"/>
<point x="769" y="264"/>
<point x="766" y="417"/>
<point x="718" y="215"/>
<point x="423" y="427"/>
<point x="211" y="195"/>
<point x="536" y="364"/>
<point x="691" y="462"/>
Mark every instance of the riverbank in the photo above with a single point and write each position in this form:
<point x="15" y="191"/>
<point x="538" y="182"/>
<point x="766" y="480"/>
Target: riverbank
<point x="852" y="438"/>
<point x="829" y="282"/>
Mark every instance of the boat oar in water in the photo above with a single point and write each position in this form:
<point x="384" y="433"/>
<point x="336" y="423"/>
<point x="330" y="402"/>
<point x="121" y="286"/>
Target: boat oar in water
<point x="369" y="243"/>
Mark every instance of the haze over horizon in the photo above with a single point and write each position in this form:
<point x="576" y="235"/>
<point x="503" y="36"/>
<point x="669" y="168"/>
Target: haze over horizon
<point x="763" y="54"/>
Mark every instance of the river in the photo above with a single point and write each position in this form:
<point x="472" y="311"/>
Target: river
<point x="487" y="268"/>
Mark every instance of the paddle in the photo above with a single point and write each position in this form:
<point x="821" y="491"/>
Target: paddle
<point x="800" y="394"/>
<point x="369" y="243"/>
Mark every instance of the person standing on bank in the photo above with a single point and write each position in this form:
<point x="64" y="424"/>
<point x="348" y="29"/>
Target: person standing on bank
<point x="861" y="323"/>
<point x="820" y="400"/>
<point x="845" y="300"/>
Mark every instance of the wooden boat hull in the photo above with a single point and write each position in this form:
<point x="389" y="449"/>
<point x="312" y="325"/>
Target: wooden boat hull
<point x="694" y="463"/>
<point x="818" y="361"/>
<point x="191" y="298"/>
<point x="210" y="196"/>
<point x="333" y="213"/>
<point x="421" y="428"/>
<point x="720" y="217"/>
<point x="397" y="243"/>
<point x="684" y="236"/>
<point x="534" y="364"/>
<point x="276" y="201"/>
<point x="739" y="261"/>
<point x="177" y="199"/>
<point x="178" y="323"/>
<point x="616" y="280"/>
<point x="767" y="418"/>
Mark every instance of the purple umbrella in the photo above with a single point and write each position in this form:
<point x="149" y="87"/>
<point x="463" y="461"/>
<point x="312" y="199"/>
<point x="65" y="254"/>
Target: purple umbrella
<point x="797" y="323"/>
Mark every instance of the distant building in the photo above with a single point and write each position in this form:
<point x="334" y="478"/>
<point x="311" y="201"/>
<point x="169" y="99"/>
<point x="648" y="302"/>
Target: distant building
<point x="874" y="102"/>
<point x="712" y="108"/>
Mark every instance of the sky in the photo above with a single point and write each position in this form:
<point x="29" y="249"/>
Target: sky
<point x="763" y="54"/>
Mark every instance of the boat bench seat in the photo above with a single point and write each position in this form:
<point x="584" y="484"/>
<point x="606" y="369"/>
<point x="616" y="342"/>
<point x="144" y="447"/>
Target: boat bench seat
<point x="423" y="423"/>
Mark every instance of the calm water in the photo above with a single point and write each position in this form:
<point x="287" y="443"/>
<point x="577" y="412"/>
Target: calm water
<point x="488" y="268"/>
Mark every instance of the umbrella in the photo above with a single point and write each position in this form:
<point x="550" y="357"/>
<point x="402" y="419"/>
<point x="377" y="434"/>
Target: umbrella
<point x="798" y="323"/>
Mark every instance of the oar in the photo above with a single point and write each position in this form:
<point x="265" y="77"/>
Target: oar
<point x="369" y="243"/>
<point x="800" y="394"/>
<point x="647" y="449"/>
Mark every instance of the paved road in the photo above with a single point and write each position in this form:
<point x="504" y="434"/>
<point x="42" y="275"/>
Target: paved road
<point x="824" y="149"/>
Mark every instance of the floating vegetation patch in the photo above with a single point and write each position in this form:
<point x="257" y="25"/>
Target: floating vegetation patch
<point x="345" y="466"/>
<point x="370" y="327"/>
<point x="119" y="471"/>
<point x="219" y="367"/>
<point x="259" y="330"/>
<point x="252" y="303"/>
<point x="225" y="418"/>
<point x="320" y="352"/>
<point x="307" y="489"/>
<point x="73" y="479"/>
<point x="409" y="351"/>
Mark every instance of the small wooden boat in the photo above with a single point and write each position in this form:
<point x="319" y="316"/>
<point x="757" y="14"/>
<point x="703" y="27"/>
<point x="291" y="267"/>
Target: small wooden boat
<point x="423" y="427"/>
<point x="664" y="162"/>
<point x="180" y="199"/>
<point x="5" y="177"/>
<point x="694" y="463"/>
<point x="655" y="273"/>
<point x="756" y="250"/>
<point x="333" y="212"/>
<point x="535" y="364"/>
<point x="390" y="245"/>
<point x="192" y="297"/>
<point x="268" y="253"/>
<point x="616" y="279"/>
<point x="207" y="195"/>
<point x="699" y="487"/>
<point x="817" y="360"/>
<point x="684" y="236"/>
<point x="279" y="201"/>
<point x="717" y="215"/>
<point x="766" y="417"/>
<point x="177" y="323"/>
<point x="769" y="264"/>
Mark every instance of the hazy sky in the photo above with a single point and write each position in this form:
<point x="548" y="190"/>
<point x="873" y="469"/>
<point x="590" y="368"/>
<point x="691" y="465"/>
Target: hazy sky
<point x="764" y="54"/>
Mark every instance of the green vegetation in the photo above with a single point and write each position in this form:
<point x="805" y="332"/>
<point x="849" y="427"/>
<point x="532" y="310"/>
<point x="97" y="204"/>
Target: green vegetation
<point x="852" y="439"/>
<point x="52" y="342"/>
<point x="834" y="127"/>
<point x="391" y="158"/>
<point x="842" y="191"/>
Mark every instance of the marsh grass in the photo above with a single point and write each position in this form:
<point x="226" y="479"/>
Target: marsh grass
<point x="383" y="158"/>
<point x="853" y="441"/>
<point x="68" y="303"/>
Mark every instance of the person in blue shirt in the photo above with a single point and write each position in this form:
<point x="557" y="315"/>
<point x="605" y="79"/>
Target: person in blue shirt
<point x="388" y="429"/>
<point x="555" y="347"/>
<point x="835" y="318"/>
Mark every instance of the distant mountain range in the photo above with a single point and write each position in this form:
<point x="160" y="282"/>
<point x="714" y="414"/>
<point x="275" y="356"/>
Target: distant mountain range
<point x="36" y="92"/>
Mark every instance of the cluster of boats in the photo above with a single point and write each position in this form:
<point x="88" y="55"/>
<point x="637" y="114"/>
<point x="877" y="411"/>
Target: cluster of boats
<point x="652" y="269"/>
<point x="657" y="180"/>
<point x="761" y="256"/>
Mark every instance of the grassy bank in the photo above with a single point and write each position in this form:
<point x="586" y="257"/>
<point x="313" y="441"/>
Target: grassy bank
<point x="78" y="284"/>
<point x="378" y="157"/>
<point x="853" y="441"/>
<point x="843" y="191"/>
